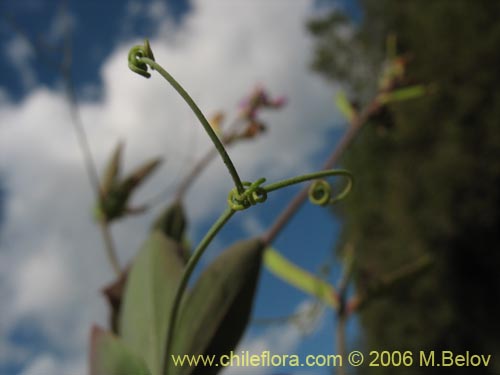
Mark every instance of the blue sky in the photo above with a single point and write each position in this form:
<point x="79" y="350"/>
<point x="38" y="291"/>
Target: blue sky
<point x="52" y="263"/>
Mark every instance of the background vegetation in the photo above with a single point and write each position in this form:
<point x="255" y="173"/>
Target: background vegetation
<point x="427" y="171"/>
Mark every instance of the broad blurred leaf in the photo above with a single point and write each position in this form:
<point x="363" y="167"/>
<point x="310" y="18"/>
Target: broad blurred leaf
<point x="299" y="278"/>
<point x="149" y="292"/>
<point x="172" y="222"/>
<point x="344" y="106"/>
<point x="400" y="95"/>
<point x="215" y="313"/>
<point x="109" y="356"/>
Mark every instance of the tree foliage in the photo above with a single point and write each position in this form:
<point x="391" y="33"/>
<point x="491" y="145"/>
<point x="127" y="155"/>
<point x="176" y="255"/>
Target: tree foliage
<point x="428" y="172"/>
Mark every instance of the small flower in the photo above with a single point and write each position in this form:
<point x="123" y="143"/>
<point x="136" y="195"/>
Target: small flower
<point x="257" y="100"/>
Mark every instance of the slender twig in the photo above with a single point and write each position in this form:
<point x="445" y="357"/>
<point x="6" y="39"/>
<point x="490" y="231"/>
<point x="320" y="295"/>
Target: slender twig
<point x="89" y="162"/>
<point x="351" y="133"/>
<point x="110" y="246"/>
<point x="200" y="165"/>
<point x="188" y="180"/>
<point x="341" y="341"/>
<point x="343" y="313"/>
<point x="78" y="126"/>
<point x="190" y="266"/>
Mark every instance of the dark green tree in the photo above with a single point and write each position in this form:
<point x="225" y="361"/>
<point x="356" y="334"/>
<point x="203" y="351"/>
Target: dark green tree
<point x="427" y="174"/>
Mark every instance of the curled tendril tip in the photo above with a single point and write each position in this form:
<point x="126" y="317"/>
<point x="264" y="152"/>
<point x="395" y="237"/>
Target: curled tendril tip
<point x="135" y="55"/>
<point x="320" y="192"/>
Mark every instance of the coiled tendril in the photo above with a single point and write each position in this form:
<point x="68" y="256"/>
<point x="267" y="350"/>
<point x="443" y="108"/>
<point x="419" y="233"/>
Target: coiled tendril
<point x="320" y="193"/>
<point x="252" y="195"/>
<point x="134" y="56"/>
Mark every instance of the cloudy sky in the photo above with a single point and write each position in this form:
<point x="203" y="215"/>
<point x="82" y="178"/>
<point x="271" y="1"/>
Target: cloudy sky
<point x="52" y="262"/>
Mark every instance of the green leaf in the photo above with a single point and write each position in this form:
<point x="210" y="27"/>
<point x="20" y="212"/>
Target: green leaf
<point x="299" y="278"/>
<point x="344" y="106"/>
<point x="215" y="313"/>
<point x="139" y="175"/>
<point x="172" y="222"/>
<point x="149" y="293"/>
<point x="400" y="95"/>
<point x="112" y="172"/>
<point x="109" y="356"/>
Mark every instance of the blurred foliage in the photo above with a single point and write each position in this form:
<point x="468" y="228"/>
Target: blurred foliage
<point x="427" y="171"/>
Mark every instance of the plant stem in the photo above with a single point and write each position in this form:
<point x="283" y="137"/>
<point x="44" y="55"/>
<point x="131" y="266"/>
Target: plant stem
<point x="194" y="173"/>
<point x="196" y="110"/>
<point x="343" y="311"/>
<point x="191" y="264"/>
<point x="109" y="246"/>
<point x="90" y="166"/>
<point x="294" y="205"/>
<point x="341" y="341"/>
<point x="188" y="180"/>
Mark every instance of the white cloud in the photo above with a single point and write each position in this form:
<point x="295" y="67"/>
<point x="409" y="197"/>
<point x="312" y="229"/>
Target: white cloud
<point x="52" y="263"/>
<point x="47" y="364"/>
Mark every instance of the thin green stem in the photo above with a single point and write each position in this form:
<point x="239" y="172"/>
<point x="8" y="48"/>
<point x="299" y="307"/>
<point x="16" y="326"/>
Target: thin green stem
<point x="312" y="176"/>
<point x="200" y="165"/>
<point x="196" y="110"/>
<point x="110" y="247"/>
<point x="207" y="158"/>
<point x="190" y="266"/>
<point x="341" y="341"/>
<point x="195" y="172"/>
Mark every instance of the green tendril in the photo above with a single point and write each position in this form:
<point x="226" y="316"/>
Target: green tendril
<point x="139" y="59"/>
<point x="134" y="59"/>
<point x="320" y="192"/>
<point x="252" y="195"/>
